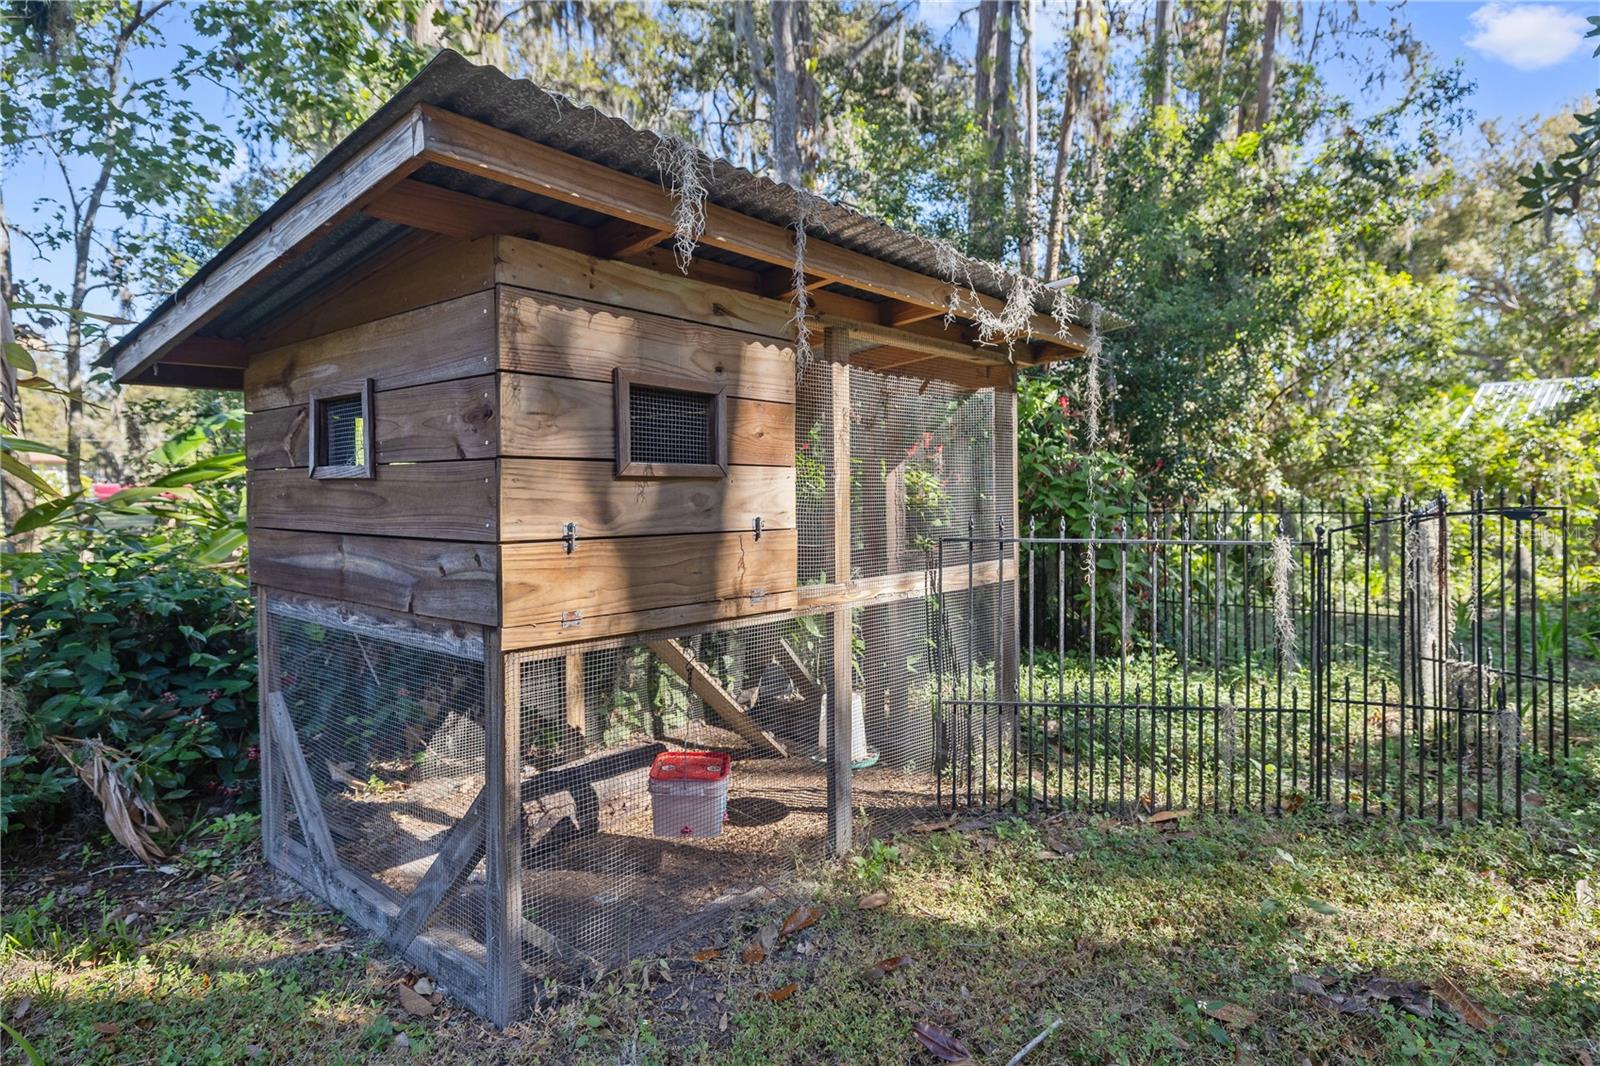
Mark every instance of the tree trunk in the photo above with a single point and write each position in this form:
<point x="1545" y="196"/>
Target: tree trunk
<point x="786" y="91"/>
<point x="1028" y="250"/>
<point x="1266" y="77"/>
<point x="984" y="91"/>
<point x="420" y="28"/>
<point x="1055" y="233"/>
<point x="1161" y="73"/>
<point x="1222" y="60"/>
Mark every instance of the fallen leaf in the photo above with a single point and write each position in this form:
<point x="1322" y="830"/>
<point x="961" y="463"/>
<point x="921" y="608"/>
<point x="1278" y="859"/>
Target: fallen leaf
<point x="106" y="1028"/>
<point x="753" y="954"/>
<point x="707" y="954"/>
<point x="800" y="918"/>
<point x="1294" y="803"/>
<point x="1463" y="1005"/>
<point x="1230" y="1014"/>
<point x="940" y="1042"/>
<point x="872" y="901"/>
<point x="1533" y="799"/>
<point x="1584" y="1058"/>
<point x="254" y="1051"/>
<point x="933" y="827"/>
<point x="402" y="1042"/>
<point x="778" y="995"/>
<point x="722" y="1025"/>
<point x="884" y="967"/>
<point x="20" y="1011"/>
<point x="415" y="1005"/>
<point x="1170" y="816"/>
<point x="767" y="937"/>
<point x="423" y="986"/>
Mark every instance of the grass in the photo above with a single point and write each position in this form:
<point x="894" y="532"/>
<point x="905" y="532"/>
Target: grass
<point x="1149" y="945"/>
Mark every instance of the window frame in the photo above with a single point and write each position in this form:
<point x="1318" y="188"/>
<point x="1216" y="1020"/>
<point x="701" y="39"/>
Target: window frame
<point x="627" y="467"/>
<point x="321" y="396"/>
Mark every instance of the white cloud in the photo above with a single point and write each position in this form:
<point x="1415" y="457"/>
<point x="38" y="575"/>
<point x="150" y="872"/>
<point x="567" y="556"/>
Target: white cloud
<point x="1527" y="36"/>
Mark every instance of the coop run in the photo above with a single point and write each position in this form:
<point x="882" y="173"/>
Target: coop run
<point x="593" y="580"/>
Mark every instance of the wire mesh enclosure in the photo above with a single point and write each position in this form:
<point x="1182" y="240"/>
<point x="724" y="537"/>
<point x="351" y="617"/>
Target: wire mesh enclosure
<point x="1410" y="662"/>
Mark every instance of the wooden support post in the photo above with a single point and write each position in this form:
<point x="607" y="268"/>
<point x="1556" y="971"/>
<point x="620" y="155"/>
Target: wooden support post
<point x="836" y="349"/>
<point x="307" y="804"/>
<point x="577" y="710"/>
<point x="840" y="699"/>
<point x="503" y="932"/>
<point x="271" y="780"/>
<point x="1008" y="656"/>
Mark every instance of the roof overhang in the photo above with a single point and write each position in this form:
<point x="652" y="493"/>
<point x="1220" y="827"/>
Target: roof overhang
<point x="418" y="166"/>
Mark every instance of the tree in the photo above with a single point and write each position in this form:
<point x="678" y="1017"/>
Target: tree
<point x="1556" y="187"/>
<point x="136" y="145"/>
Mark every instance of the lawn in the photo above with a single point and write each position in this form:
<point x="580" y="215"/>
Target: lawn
<point x="1295" y="939"/>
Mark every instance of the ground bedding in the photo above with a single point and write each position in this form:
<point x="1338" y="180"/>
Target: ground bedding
<point x="1300" y="939"/>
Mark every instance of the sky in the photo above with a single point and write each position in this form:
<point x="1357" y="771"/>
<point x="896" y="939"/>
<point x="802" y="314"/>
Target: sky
<point x="1526" y="59"/>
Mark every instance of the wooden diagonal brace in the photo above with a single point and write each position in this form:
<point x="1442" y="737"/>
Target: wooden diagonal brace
<point x="710" y="690"/>
<point x="307" y="804"/>
<point x="460" y="852"/>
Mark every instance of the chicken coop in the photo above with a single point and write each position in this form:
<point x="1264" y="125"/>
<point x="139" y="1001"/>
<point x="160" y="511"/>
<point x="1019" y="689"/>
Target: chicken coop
<point x="571" y="451"/>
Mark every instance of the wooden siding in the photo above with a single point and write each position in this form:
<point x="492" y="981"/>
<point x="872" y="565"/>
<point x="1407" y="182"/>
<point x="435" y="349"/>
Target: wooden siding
<point x="627" y="575"/>
<point x="441" y="342"/>
<point x="562" y="418"/>
<point x="423" y="423"/>
<point x="437" y="501"/>
<point x="538" y="495"/>
<point x="560" y="337"/>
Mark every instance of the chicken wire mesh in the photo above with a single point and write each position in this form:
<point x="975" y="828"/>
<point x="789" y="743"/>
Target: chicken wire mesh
<point x="603" y="878"/>
<point x="389" y="718"/>
<point x="813" y="469"/>
<point x="923" y="465"/>
<point x="670" y="426"/>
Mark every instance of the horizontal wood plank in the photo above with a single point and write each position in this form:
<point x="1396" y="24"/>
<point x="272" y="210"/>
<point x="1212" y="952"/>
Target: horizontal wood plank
<point x="660" y="620"/>
<point x="423" y="423"/>
<point x="910" y="584"/>
<point x="419" y="271"/>
<point x="542" y="334"/>
<point x="634" y="574"/>
<point x="437" y="578"/>
<point x="546" y="268"/>
<point x="538" y="495"/>
<point x="436" y="501"/>
<point x="453" y="339"/>
<point x="564" y="418"/>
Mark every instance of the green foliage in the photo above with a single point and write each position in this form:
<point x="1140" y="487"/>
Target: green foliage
<point x="124" y="638"/>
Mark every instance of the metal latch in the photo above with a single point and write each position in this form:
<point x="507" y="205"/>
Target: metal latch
<point x="757" y="595"/>
<point x="569" y="535"/>
<point x="571" y="619"/>
<point x="758" y="527"/>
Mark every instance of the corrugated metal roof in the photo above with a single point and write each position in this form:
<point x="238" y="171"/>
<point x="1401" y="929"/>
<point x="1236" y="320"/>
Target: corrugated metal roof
<point x="453" y="83"/>
<point x="1509" y="402"/>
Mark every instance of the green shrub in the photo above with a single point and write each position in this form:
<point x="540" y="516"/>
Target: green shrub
<point x="126" y="639"/>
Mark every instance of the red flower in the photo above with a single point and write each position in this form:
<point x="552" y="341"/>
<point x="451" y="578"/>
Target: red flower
<point x="1066" y="407"/>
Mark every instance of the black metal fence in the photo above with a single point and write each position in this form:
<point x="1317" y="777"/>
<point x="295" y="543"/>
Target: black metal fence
<point x="1409" y="660"/>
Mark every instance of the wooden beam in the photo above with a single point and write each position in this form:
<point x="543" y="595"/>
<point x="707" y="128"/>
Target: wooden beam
<point x="389" y="158"/>
<point x="208" y="351"/>
<point x="475" y="147"/>
<point x="709" y="689"/>
<point x="577" y="715"/>
<point x="905" y="585"/>
<point x="616" y="238"/>
<point x="307" y="804"/>
<point x="901" y="313"/>
<point x="840" y="742"/>
<point x="506" y="927"/>
<point x="456" y="214"/>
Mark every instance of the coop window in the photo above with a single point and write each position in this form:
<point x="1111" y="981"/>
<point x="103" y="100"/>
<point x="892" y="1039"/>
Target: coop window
<point x="670" y="427"/>
<point x="341" y="431"/>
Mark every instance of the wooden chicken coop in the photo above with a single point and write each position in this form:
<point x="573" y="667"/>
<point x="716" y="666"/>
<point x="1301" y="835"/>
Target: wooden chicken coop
<point x="533" y="502"/>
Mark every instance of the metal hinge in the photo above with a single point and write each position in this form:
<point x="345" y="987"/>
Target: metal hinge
<point x="571" y="619"/>
<point x="757" y="595"/>
<point x="569" y="536"/>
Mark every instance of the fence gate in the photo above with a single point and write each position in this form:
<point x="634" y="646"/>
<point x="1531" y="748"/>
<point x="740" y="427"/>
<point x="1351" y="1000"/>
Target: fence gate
<point x="1407" y="661"/>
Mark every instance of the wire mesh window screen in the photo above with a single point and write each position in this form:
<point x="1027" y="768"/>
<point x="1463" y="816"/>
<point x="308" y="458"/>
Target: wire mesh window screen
<point x="813" y="469"/>
<point x="390" y="720"/>
<point x="671" y="426"/>
<point x="923" y="466"/>
<point x="342" y="440"/>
